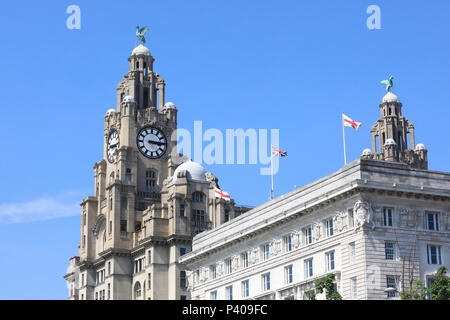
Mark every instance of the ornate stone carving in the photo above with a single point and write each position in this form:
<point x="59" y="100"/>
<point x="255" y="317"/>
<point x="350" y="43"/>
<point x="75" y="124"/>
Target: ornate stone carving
<point x="340" y="221"/>
<point x="377" y="214"/>
<point x="212" y="178"/>
<point x="363" y="215"/>
<point x="316" y="230"/>
<point x="275" y="247"/>
<point x="219" y="268"/>
<point x="190" y="280"/>
<point x="235" y="263"/>
<point x="403" y="212"/>
<point x="254" y="256"/>
<point x="203" y="274"/>
<point x="296" y="239"/>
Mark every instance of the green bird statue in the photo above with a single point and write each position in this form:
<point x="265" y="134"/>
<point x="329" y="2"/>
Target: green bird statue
<point x="388" y="83"/>
<point x="140" y="33"/>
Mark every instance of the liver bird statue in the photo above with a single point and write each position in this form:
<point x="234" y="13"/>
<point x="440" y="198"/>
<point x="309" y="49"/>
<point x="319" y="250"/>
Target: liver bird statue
<point x="140" y="33"/>
<point x="388" y="83"/>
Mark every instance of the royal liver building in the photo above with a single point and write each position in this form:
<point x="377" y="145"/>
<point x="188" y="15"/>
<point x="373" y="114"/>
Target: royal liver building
<point x="149" y="201"/>
<point x="378" y="224"/>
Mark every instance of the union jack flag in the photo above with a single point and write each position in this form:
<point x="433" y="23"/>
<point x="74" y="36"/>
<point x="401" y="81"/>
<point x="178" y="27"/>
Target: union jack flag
<point x="278" y="153"/>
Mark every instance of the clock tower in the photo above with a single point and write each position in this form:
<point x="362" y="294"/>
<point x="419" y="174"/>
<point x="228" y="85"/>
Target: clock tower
<point x="149" y="201"/>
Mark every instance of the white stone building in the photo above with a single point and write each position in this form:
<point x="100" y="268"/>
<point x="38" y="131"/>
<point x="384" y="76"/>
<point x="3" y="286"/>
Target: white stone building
<point x="379" y="222"/>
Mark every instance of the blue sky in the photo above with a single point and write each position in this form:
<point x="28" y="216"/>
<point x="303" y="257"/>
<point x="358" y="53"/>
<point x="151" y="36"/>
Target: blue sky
<point x="291" y="65"/>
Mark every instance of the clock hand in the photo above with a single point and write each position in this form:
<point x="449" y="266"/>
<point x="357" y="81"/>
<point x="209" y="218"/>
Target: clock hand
<point x="156" y="142"/>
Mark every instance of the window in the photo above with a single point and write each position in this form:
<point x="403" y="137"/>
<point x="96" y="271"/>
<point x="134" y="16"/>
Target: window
<point x="150" y="180"/>
<point x="310" y="295"/>
<point x="227" y="215"/>
<point x="308" y="235"/>
<point x="387" y="217"/>
<point x="82" y="296"/>
<point x="82" y="279"/>
<point x="266" y="281"/>
<point x="110" y="226"/>
<point x="434" y="254"/>
<point x="212" y="271"/>
<point x="109" y="291"/>
<point x="214" y="295"/>
<point x="351" y="219"/>
<point x="182" y="251"/>
<point x="149" y="281"/>
<point x="229" y="292"/>
<point x="390" y="251"/>
<point x="100" y="276"/>
<point x="432" y="221"/>
<point x="244" y="260"/>
<point x="352" y="252"/>
<point x="183" y="279"/>
<point x="123" y="204"/>
<point x="137" y="290"/>
<point x="391" y="282"/>
<point x="288" y="274"/>
<point x="266" y="251"/>
<point x="149" y="256"/>
<point x="308" y="268"/>
<point x="330" y="260"/>
<point x="181" y="209"/>
<point x="198" y="215"/>
<point x="137" y="226"/>
<point x="96" y="296"/>
<point x="287" y="240"/>
<point x="228" y="267"/>
<point x="329" y="227"/>
<point x="182" y="297"/>
<point x="109" y="268"/>
<point x="128" y="175"/>
<point x="138" y="264"/>
<point x="123" y="226"/>
<point x="197" y="196"/>
<point x="245" y="288"/>
<point x="354" y="288"/>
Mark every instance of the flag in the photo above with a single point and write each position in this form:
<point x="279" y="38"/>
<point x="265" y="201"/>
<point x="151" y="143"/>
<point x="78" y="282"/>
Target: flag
<point x="347" y="122"/>
<point x="221" y="194"/>
<point x="278" y="153"/>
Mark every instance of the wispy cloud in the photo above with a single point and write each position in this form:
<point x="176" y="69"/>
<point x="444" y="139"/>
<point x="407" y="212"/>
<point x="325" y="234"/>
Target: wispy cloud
<point x="44" y="208"/>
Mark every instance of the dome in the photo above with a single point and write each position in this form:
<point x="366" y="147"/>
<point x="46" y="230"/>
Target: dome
<point x="110" y="111"/>
<point x="139" y="50"/>
<point x="194" y="171"/>
<point x="389" y="142"/>
<point x="128" y="99"/>
<point x="420" y="147"/>
<point x="366" y="152"/>
<point x="390" y="97"/>
<point x="169" y="105"/>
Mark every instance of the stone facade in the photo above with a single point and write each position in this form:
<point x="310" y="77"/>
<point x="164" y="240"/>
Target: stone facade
<point x="149" y="201"/>
<point x="379" y="222"/>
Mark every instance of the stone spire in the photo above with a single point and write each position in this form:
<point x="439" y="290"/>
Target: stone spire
<point x="390" y="136"/>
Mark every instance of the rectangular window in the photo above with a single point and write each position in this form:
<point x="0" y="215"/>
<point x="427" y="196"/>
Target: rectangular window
<point x="109" y="268"/>
<point x="308" y="235"/>
<point x="266" y="281"/>
<point x="266" y="251"/>
<point x="183" y="279"/>
<point x="287" y="240"/>
<point x="149" y="257"/>
<point x="149" y="281"/>
<point x="351" y="219"/>
<point x="109" y="291"/>
<point x="329" y="227"/>
<point x="182" y="297"/>
<point x="308" y="268"/>
<point x="390" y="251"/>
<point x="387" y="217"/>
<point x="432" y="221"/>
<point x="391" y="285"/>
<point x="128" y="175"/>
<point x="213" y="272"/>
<point x="123" y="204"/>
<point x="181" y="210"/>
<point x="434" y="254"/>
<point x="228" y="267"/>
<point x="245" y="288"/>
<point x="354" y="288"/>
<point x="229" y="292"/>
<point x="182" y="251"/>
<point x="214" y="295"/>
<point x="352" y="252"/>
<point x="288" y="274"/>
<point x="244" y="260"/>
<point x="123" y="225"/>
<point x="330" y="260"/>
<point x="82" y="279"/>
<point x="227" y="215"/>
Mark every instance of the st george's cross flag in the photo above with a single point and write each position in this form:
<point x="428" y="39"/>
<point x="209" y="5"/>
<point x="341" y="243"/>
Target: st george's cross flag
<point x="347" y="122"/>
<point x="278" y="153"/>
<point x="221" y="194"/>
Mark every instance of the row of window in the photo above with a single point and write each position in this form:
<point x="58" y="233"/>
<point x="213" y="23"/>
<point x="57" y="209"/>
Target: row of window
<point x="433" y="252"/>
<point x="432" y="219"/>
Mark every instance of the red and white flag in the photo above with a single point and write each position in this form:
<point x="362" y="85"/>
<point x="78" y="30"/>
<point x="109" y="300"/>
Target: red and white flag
<point x="347" y="122"/>
<point x="221" y="194"/>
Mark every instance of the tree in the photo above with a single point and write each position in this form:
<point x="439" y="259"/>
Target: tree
<point x="440" y="289"/>
<point x="327" y="284"/>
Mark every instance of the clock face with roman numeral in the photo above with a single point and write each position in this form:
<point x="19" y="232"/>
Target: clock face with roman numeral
<point x="113" y="144"/>
<point x="151" y="142"/>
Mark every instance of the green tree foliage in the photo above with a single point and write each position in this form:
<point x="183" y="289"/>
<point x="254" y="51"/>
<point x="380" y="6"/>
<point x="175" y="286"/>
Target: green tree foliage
<point x="327" y="284"/>
<point x="440" y="289"/>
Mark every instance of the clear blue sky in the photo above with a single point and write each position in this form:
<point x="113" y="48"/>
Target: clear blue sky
<point x="292" y="65"/>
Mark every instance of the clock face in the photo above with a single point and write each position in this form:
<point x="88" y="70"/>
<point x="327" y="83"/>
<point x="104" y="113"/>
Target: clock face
<point x="151" y="142"/>
<point x="113" y="144"/>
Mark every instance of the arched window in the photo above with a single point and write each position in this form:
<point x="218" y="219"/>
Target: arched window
<point x="150" y="180"/>
<point x="137" y="291"/>
<point x="197" y="196"/>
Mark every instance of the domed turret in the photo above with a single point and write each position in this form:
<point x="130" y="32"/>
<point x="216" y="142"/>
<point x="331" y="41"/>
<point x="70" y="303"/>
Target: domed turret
<point x="390" y="97"/>
<point x="141" y="50"/>
<point x="194" y="171"/>
<point x="420" y="147"/>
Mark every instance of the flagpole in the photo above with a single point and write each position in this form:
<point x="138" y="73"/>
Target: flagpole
<point x="271" y="171"/>
<point x="343" y="137"/>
